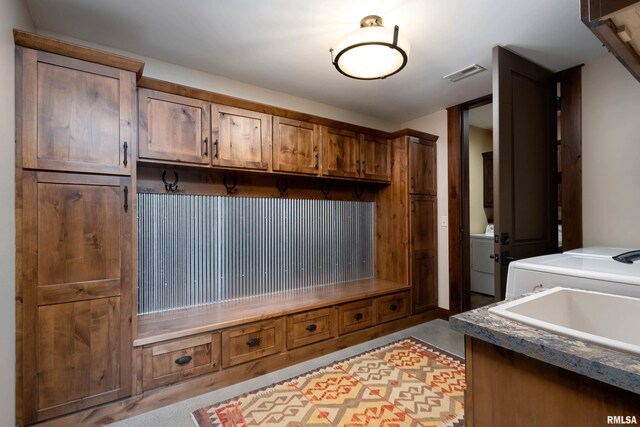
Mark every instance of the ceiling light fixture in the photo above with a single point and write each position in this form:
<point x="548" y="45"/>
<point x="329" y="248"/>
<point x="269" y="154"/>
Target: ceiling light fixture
<point x="371" y="52"/>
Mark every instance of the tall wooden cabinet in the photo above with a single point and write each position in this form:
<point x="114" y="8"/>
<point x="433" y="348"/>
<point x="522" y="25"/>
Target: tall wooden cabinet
<point x="74" y="239"/>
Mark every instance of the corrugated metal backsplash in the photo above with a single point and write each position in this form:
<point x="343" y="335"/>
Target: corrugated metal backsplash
<point x="195" y="250"/>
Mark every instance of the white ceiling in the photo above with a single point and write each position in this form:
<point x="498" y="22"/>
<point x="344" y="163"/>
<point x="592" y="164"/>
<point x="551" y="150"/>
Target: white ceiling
<point x="283" y="45"/>
<point x="482" y="117"/>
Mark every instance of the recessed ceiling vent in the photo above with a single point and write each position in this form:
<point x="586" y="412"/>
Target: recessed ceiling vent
<point x="464" y="73"/>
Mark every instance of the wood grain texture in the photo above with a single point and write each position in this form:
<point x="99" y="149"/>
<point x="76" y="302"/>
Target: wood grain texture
<point x="422" y="167"/>
<point x="242" y="138"/>
<point x="160" y="362"/>
<point x="508" y="389"/>
<point x="310" y="327"/>
<point x="458" y="300"/>
<point x="174" y="128"/>
<point x="356" y="315"/>
<point x="341" y="153"/>
<point x="392" y="219"/>
<point x="375" y="158"/>
<point x="296" y="146"/>
<point x="76" y="115"/>
<point x="391" y="307"/>
<point x="252" y="341"/>
<point x="72" y="50"/>
<point x="159" y="397"/>
<point x="162" y="326"/>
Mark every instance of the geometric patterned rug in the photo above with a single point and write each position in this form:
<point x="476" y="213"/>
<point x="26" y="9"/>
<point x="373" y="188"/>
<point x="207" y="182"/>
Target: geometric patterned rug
<point x="405" y="383"/>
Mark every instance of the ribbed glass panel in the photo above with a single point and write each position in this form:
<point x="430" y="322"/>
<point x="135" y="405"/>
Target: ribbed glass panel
<point x="195" y="250"/>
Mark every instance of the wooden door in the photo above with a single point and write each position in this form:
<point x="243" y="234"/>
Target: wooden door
<point x="75" y="115"/>
<point x="422" y="166"/>
<point x="525" y="190"/>
<point x="375" y="157"/>
<point x="77" y="285"/>
<point x="174" y="128"/>
<point x="423" y="247"/>
<point x="341" y="153"/>
<point x="295" y="146"/>
<point x="242" y="138"/>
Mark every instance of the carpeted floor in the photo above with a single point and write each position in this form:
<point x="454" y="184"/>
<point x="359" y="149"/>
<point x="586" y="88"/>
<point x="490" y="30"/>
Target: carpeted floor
<point x="406" y="383"/>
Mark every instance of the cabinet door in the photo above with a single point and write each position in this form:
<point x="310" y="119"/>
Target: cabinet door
<point x="341" y="152"/>
<point x="76" y="115"/>
<point x="242" y="138"/>
<point x="375" y="157"/>
<point x="174" y="128"/>
<point x="423" y="246"/>
<point x="422" y="166"/>
<point x="77" y="281"/>
<point x="295" y="146"/>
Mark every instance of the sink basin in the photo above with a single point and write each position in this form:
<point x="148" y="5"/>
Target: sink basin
<point x="604" y="319"/>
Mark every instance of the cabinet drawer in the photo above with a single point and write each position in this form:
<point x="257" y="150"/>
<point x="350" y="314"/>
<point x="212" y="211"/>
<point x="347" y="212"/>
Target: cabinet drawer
<point x="356" y="315"/>
<point x="251" y="342"/>
<point x="310" y="327"/>
<point x="391" y="307"/>
<point x="176" y="360"/>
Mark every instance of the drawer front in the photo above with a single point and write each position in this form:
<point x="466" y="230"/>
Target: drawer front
<point x="391" y="307"/>
<point x="310" y="327"/>
<point x="355" y="316"/>
<point x="251" y="342"/>
<point x="173" y="361"/>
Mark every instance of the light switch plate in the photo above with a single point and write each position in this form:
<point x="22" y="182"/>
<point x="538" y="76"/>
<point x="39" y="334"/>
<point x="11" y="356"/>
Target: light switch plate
<point x="444" y="221"/>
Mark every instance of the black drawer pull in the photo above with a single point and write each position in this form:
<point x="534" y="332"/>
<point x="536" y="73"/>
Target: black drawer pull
<point x="393" y="307"/>
<point x="183" y="360"/>
<point x="253" y="342"/>
<point x="312" y="327"/>
<point x="358" y="316"/>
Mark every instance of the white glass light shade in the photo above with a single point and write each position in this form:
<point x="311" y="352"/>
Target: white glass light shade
<point x="370" y="53"/>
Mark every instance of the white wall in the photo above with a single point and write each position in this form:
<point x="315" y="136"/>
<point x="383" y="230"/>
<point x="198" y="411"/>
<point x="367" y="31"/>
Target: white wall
<point x="480" y="141"/>
<point x="610" y="155"/>
<point x="14" y="14"/>
<point x="436" y="124"/>
<point x="189" y="77"/>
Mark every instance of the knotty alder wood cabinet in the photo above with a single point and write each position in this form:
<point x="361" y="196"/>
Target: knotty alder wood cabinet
<point x="296" y="146"/>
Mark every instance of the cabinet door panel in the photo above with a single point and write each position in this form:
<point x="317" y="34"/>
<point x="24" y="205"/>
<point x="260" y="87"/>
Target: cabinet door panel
<point x="295" y="146"/>
<point x="76" y="115"/>
<point x="423" y="223"/>
<point x="422" y="166"/>
<point x="341" y="151"/>
<point x="375" y="156"/>
<point x="242" y="138"/>
<point x="423" y="280"/>
<point x="174" y="128"/>
<point x="77" y="284"/>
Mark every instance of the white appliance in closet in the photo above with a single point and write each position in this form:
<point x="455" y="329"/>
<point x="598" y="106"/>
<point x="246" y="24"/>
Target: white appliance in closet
<point x="482" y="265"/>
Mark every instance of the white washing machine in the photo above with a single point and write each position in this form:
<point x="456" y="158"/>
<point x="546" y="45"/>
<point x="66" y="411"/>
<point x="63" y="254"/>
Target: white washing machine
<point x="482" y="265"/>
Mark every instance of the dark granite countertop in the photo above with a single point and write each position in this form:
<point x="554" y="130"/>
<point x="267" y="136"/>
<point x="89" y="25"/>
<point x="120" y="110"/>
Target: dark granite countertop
<point x="610" y="366"/>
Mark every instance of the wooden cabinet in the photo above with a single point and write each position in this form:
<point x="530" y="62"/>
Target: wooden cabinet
<point x="252" y="341"/>
<point x="355" y="316"/>
<point x="349" y="154"/>
<point x="242" y="138"/>
<point x="311" y="326"/>
<point x="375" y="157"/>
<point x="422" y="166"/>
<point x="174" y="128"/>
<point x="392" y="307"/>
<point x="77" y="281"/>
<point x="176" y="360"/>
<point x="295" y="146"/>
<point x="423" y="248"/>
<point x="74" y="115"/>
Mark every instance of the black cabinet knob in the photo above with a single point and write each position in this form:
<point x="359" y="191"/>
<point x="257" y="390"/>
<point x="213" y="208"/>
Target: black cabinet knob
<point x="312" y="327"/>
<point x="183" y="360"/>
<point x="393" y="307"/>
<point x="358" y="316"/>
<point x="253" y="342"/>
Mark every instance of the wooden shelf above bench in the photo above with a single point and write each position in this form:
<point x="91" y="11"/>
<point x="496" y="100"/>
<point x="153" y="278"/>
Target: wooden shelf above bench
<point x="156" y="327"/>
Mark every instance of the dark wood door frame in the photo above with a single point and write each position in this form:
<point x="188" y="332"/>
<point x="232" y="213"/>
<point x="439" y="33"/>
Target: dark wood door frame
<point x="458" y="172"/>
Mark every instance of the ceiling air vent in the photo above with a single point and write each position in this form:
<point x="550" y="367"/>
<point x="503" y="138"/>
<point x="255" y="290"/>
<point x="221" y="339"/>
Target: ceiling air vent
<point x="464" y="73"/>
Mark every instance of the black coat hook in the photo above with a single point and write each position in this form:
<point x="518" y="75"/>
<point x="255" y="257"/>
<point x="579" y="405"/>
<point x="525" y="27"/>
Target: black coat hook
<point x="231" y="187"/>
<point x="283" y="187"/>
<point x="325" y="188"/>
<point x="170" y="186"/>
<point x="358" y="191"/>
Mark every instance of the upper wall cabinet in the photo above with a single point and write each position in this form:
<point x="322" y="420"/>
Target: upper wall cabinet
<point x="295" y="146"/>
<point x="242" y="138"/>
<point x="174" y="128"/>
<point x="75" y="115"/>
<point x="341" y="151"/>
<point x="375" y="158"/>
<point x="422" y="166"/>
